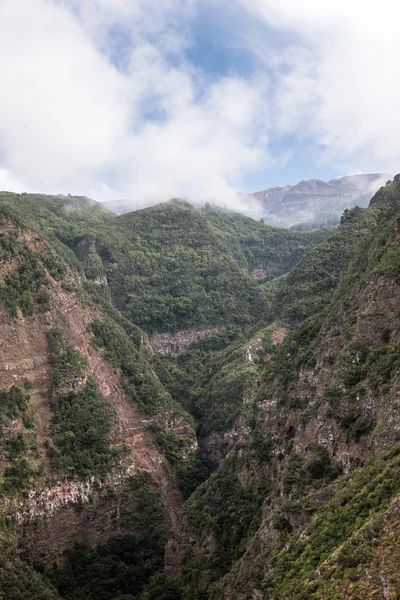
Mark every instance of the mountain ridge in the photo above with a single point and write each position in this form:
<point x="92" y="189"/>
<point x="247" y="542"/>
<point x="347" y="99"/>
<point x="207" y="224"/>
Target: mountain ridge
<point x="152" y="451"/>
<point x="313" y="202"/>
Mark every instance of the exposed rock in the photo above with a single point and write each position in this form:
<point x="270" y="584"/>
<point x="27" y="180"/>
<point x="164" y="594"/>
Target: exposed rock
<point x="307" y="200"/>
<point x="45" y="502"/>
<point x="258" y="274"/>
<point x="173" y="343"/>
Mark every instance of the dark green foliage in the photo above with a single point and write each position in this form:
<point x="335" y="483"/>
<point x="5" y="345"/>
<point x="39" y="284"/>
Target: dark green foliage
<point x="310" y="285"/>
<point x="171" y="445"/>
<point x="138" y="379"/>
<point x="355" y="424"/>
<point x="162" y="587"/>
<point x="315" y="468"/>
<point x="192" y="472"/>
<point x="168" y="267"/>
<point x="26" y="282"/>
<point x="18" y="581"/>
<point x="354" y="500"/>
<point x="80" y="428"/>
<point x="174" y="272"/>
<point x="210" y="381"/>
<point x="68" y="363"/>
<point x="141" y="508"/>
<point x="295" y="352"/>
<point x="172" y="267"/>
<point x="13" y="402"/>
<point x="122" y="567"/>
<point x="282" y="524"/>
<point x="227" y="511"/>
<point x="256" y="245"/>
<point x="15" y="452"/>
<point x="81" y="420"/>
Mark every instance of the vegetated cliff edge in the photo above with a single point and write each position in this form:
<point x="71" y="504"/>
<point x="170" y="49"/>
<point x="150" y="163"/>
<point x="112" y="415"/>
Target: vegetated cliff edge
<point x="305" y="506"/>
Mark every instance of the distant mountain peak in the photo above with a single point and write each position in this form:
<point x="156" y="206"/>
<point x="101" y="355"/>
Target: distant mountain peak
<point x="314" y="199"/>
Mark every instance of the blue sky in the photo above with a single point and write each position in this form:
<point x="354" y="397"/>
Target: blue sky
<point x="148" y="99"/>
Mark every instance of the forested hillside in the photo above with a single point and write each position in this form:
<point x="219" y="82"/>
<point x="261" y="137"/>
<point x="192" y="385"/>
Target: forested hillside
<point x="197" y="405"/>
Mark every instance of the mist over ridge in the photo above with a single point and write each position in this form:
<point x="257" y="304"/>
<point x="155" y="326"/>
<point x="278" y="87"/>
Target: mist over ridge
<point x="308" y="201"/>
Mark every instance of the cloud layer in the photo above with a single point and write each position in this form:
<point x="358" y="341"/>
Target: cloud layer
<point x="99" y="98"/>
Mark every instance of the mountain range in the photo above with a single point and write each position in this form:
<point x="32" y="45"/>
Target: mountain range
<point x="195" y="404"/>
<point x="308" y="204"/>
<point x="316" y="200"/>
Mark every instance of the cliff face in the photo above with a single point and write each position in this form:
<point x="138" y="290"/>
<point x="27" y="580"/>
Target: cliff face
<point x="319" y="467"/>
<point x="228" y="461"/>
<point x="55" y="508"/>
<point x="315" y="199"/>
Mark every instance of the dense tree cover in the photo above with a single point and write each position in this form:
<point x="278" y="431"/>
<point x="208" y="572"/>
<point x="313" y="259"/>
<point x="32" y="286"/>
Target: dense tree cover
<point x="309" y="286"/>
<point x="256" y="245"/>
<point x="128" y="566"/>
<point x="18" y="581"/>
<point x="223" y="513"/>
<point x="68" y="364"/>
<point x="18" y="444"/>
<point x="209" y="379"/>
<point x="138" y="379"/>
<point x="25" y="283"/>
<point x="80" y="430"/>
<point x="170" y="266"/>
<point x="293" y="480"/>
<point x="81" y="418"/>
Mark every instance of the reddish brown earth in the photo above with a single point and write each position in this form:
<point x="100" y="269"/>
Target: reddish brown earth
<point x="24" y="355"/>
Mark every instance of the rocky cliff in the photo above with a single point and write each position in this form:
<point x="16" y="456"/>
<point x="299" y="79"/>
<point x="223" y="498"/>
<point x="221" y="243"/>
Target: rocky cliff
<point x="246" y="459"/>
<point x="316" y="200"/>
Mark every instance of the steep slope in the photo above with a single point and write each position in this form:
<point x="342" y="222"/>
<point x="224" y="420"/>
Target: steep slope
<point x="190" y="268"/>
<point x="169" y="267"/>
<point x="79" y="457"/>
<point x="277" y="517"/>
<point x="291" y="382"/>
<point x="309" y="286"/>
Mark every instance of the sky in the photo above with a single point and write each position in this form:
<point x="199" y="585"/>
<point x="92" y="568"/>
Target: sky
<point x="151" y="99"/>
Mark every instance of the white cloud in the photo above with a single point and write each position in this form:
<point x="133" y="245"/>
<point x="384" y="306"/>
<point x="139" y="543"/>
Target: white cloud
<point x="340" y="85"/>
<point x="71" y="121"/>
<point x="63" y="108"/>
<point x="97" y="97"/>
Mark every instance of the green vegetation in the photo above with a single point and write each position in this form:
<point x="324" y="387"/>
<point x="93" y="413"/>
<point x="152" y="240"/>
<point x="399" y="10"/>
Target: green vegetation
<point x="310" y="285"/>
<point x="223" y="513"/>
<point x="80" y="429"/>
<point x="137" y="377"/>
<point x="292" y="565"/>
<point x="211" y="379"/>
<point x="126" y="566"/>
<point x="18" y="445"/>
<point x="170" y="266"/>
<point x="81" y="420"/>
<point x="303" y="472"/>
<point x="256" y="245"/>
<point x="18" y="581"/>
<point x="276" y="514"/>
<point x="68" y="364"/>
<point x="25" y="283"/>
